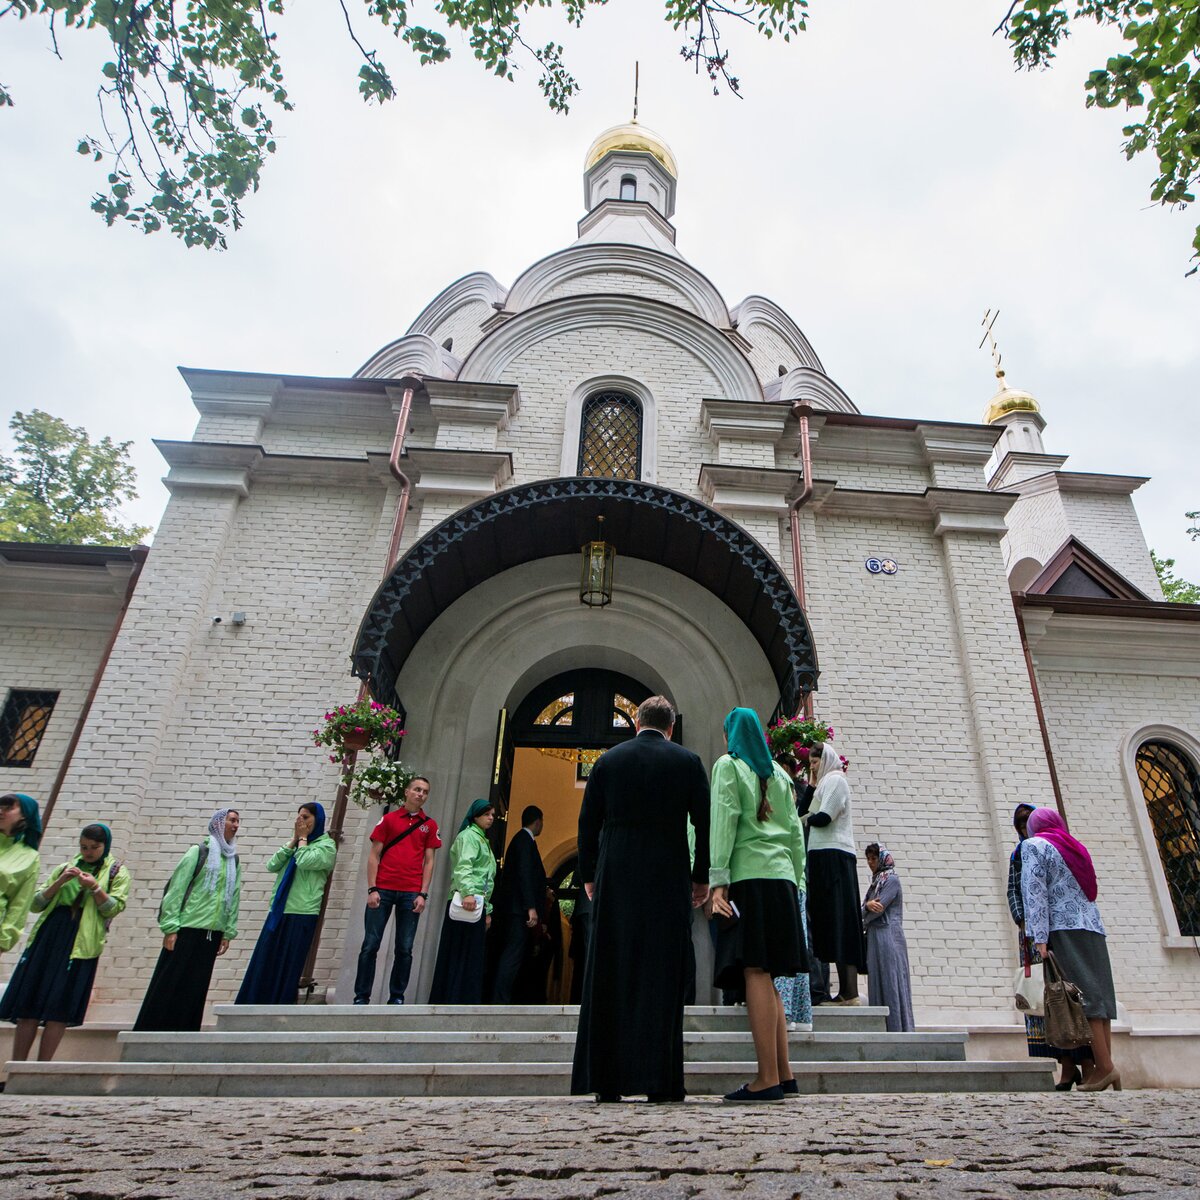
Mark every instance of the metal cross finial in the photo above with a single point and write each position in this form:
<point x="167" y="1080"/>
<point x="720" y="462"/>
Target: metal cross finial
<point x="989" y="319"/>
<point x="635" y="91"/>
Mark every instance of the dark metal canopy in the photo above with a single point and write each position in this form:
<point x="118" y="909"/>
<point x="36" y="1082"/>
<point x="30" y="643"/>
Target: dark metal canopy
<point x="555" y="517"/>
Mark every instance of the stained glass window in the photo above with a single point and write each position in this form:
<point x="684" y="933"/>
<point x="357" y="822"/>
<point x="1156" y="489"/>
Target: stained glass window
<point x="1171" y="789"/>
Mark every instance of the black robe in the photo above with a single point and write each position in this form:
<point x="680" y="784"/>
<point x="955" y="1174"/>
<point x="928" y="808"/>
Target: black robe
<point x="633" y="845"/>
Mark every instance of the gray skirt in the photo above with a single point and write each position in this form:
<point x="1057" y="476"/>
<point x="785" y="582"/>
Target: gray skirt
<point x="1082" y="957"/>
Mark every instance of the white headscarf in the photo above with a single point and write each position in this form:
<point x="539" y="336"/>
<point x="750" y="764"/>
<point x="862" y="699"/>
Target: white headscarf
<point x="218" y="851"/>
<point x="832" y="791"/>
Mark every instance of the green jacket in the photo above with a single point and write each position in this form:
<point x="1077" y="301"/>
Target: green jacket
<point x="204" y="909"/>
<point x="18" y="881"/>
<point x="472" y="865"/>
<point x="93" y="920"/>
<point x="313" y="864"/>
<point x="740" y="845"/>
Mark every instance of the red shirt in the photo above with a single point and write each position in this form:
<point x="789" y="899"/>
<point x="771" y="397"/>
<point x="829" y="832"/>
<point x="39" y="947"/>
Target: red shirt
<point x="402" y="867"/>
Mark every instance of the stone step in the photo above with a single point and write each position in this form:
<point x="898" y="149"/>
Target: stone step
<point x="493" y="1046"/>
<point x="492" y="1079"/>
<point x="514" y="1018"/>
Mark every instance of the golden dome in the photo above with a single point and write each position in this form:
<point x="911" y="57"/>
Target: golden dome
<point x="1008" y="400"/>
<point x="633" y="137"/>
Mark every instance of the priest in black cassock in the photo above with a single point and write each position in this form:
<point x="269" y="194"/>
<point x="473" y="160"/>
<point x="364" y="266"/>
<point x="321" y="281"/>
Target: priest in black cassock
<point x="633" y="862"/>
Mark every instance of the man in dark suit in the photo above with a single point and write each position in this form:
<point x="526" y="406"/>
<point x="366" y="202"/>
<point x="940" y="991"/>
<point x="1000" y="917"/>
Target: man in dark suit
<point x="633" y="862"/>
<point x="522" y="893"/>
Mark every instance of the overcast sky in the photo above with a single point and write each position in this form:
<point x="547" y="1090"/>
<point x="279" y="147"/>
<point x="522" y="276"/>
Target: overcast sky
<point x="886" y="179"/>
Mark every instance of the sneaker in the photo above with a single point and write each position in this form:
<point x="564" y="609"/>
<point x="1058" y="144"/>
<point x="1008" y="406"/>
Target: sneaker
<point x="390" y="1002"/>
<point x="799" y="1027"/>
<point x="358" y="1001"/>
<point x="743" y="1095"/>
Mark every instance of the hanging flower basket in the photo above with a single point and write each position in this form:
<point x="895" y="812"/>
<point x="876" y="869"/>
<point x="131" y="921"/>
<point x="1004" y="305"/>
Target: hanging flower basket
<point x="798" y="736"/>
<point x="382" y="781"/>
<point x="366" y="725"/>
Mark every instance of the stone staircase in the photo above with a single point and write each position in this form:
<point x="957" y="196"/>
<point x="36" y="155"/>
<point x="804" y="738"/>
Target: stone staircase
<point x="429" y="1050"/>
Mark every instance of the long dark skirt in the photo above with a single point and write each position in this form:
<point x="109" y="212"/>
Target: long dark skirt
<point x="273" y="976"/>
<point x="768" y="934"/>
<point x="48" y="984"/>
<point x="462" y="956"/>
<point x="1082" y="957"/>
<point x="179" y="986"/>
<point x="835" y="908"/>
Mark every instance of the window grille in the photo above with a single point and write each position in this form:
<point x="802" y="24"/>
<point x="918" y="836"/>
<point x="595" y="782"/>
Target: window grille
<point x="610" y="436"/>
<point x="22" y="723"/>
<point x="1171" y="788"/>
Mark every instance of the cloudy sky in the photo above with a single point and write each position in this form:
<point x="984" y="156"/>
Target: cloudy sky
<point x="886" y="179"/>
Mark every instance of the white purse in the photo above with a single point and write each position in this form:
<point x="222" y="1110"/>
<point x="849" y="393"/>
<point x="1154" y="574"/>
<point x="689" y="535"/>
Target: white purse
<point x="458" y="913"/>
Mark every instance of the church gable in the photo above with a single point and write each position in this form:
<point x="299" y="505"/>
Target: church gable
<point x="1075" y="570"/>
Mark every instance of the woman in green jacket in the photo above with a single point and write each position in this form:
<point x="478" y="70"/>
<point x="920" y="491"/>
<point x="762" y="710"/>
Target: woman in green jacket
<point x="198" y="918"/>
<point x="20" y="836"/>
<point x="53" y="980"/>
<point x="303" y="866"/>
<point x="756" y="862"/>
<point x="462" y="952"/>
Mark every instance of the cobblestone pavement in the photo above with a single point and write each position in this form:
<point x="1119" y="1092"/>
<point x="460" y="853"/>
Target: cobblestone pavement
<point x="878" y="1147"/>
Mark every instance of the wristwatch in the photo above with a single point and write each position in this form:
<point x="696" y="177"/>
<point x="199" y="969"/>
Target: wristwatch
<point x="372" y="889"/>
<point x="423" y="895"/>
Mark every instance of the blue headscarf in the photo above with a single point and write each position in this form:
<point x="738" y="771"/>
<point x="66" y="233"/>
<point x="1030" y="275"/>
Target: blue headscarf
<point x="105" y="838"/>
<point x="31" y="835"/>
<point x="746" y="740"/>
<point x="289" y="872"/>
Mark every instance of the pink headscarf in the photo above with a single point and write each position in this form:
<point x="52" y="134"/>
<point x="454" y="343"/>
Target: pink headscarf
<point x="1048" y="825"/>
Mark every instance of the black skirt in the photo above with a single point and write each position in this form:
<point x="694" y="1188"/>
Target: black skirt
<point x="179" y="986"/>
<point x="462" y="957"/>
<point x="767" y="935"/>
<point x="48" y="984"/>
<point x="1082" y="957"/>
<point x="273" y="976"/>
<point x="835" y="908"/>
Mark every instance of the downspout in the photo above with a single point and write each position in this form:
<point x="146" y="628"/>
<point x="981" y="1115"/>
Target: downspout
<point x="801" y="409"/>
<point x="338" y="819"/>
<point x="139" y="555"/>
<point x="1037" y="704"/>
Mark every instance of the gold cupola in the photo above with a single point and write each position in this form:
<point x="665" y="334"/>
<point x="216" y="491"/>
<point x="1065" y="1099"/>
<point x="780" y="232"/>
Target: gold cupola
<point x="1008" y="400"/>
<point x="635" y="138"/>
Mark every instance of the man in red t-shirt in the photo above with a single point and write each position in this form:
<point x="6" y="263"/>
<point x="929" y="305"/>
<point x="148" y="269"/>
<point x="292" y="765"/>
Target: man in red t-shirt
<point x="398" y="874"/>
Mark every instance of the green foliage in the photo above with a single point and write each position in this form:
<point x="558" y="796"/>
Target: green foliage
<point x="1193" y="530"/>
<point x="189" y="95"/>
<point x="1177" y="591"/>
<point x="1156" y="76"/>
<point x="60" y="486"/>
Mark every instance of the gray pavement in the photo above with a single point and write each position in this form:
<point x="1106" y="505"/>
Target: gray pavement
<point x="878" y="1147"/>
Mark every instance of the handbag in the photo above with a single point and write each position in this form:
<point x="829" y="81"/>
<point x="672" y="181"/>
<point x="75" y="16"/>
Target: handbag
<point x="1066" y="1026"/>
<point x="1027" y="991"/>
<point x="458" y="913"/>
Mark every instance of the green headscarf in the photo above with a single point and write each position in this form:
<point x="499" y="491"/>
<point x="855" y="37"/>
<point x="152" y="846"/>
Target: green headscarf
<point x="746" y="740"/>
<point x="31" y="835"/>
<point x="477" y="808"/>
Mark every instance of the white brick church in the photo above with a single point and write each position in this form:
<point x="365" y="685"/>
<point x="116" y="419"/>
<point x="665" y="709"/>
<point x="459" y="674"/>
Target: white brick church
<point x="982" y="626"/>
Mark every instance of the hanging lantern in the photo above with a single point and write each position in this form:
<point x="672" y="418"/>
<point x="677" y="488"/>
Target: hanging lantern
<point x="596" y="583"/>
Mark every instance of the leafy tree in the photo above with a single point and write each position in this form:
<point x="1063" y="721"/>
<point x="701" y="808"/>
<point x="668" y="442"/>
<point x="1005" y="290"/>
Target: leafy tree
<point x="1176" y="590"/>
<point x="1193" y="530"/>
<point x="189" y="97"/>
<point x="60" y="486"/>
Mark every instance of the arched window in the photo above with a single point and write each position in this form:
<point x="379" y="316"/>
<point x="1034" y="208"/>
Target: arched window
<point x="628" y="187"/>
<point x="1171" y="789"/>
<point x="610" y="436"/>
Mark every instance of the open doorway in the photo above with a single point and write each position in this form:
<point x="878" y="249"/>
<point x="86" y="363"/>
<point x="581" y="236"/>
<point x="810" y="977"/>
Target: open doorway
<point x="543" y="757"/>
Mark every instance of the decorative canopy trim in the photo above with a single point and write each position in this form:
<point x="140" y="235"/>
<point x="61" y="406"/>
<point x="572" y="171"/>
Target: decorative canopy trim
<point x="555" y="517"/>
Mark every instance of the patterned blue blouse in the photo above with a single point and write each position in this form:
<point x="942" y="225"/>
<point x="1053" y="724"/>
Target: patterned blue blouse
<point x="1053" y="898"/>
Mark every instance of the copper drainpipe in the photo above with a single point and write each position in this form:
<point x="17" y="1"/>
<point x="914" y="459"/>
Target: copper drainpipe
<point x="139" y="555"/>
<point x="338" y="820"/>
<point x="801" y="409"/>
<point x="1037" y="704"/>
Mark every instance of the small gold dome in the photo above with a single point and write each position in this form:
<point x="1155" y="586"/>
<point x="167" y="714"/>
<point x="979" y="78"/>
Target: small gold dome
<point x="1008" y="400"/>
<point x="631" y="137"/>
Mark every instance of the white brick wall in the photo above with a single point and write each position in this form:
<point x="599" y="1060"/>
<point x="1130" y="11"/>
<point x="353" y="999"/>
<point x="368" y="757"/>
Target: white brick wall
<point x="621" y="283"/>
<point x="463" y="325"/>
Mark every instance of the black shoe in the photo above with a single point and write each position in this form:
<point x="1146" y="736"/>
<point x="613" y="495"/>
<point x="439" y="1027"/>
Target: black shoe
<point x="789" y="1087"/>
<point x="607" y="1098"/>
<point x="743" y="1095"/>
<point x="666" y="1097"/>
<point x="1076" y="1077"/>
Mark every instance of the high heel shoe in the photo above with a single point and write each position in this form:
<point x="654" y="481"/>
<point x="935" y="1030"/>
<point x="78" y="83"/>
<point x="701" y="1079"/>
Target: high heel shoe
<point x="1111" y="1080"/>
<point x="1076" y="1078"/>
